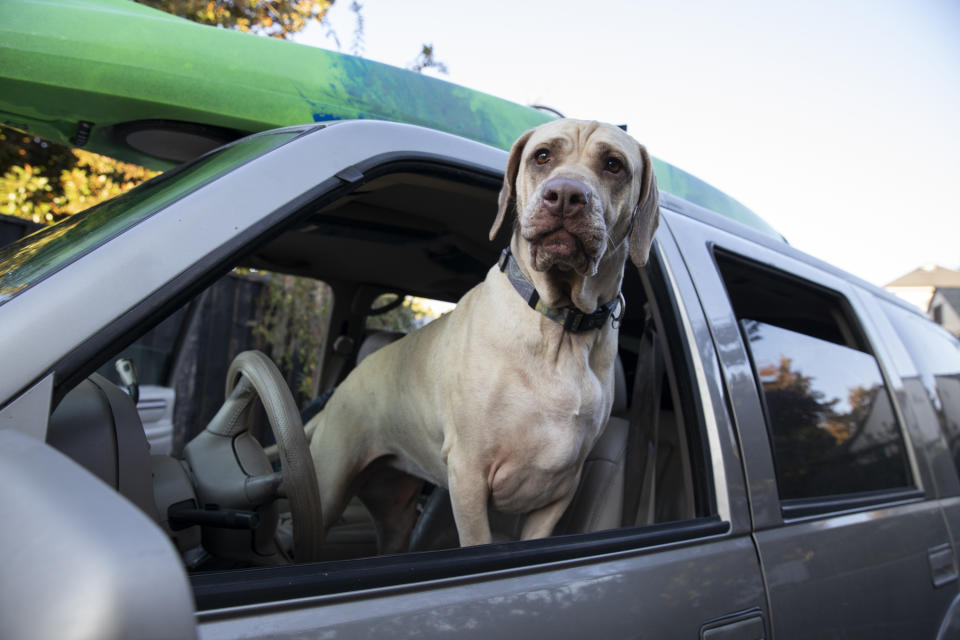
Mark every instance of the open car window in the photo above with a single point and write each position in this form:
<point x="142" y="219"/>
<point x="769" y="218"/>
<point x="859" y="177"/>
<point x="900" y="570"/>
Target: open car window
<point x="416" y="233"/>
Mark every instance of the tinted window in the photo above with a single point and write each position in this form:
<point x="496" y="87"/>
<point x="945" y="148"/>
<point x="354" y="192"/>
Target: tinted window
<point x="936" y="354"/>
<point x="832" y="423"/>
<point x="830" y="417"/>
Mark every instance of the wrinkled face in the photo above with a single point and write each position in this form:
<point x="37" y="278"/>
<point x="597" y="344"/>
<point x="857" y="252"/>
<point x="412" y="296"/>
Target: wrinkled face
<point x="577" y="187"/>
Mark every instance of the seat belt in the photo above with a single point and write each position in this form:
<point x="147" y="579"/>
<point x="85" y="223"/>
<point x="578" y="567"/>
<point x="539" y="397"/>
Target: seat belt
<point x="641" y="462"/>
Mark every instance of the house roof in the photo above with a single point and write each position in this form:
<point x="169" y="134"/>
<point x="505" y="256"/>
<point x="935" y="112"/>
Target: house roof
<point x="928" y="276"/>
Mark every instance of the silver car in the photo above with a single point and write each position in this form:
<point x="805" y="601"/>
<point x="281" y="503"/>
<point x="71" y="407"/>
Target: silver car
<point x="781" y="461"/>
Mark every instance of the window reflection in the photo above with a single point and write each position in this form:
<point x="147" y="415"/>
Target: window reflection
<point x="937" y="356"/>
<point x="831" y="419"/>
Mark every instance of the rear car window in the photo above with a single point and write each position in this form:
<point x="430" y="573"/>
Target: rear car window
<point x="831" y="421"/>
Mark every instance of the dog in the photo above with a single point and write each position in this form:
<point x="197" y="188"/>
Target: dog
<point x="502" y="399"/>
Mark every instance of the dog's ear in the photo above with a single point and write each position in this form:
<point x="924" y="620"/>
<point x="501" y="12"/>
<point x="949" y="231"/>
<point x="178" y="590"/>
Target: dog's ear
<point x="646" y="218"/>
<point x="508" y="192"/>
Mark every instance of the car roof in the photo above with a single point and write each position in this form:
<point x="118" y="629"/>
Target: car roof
<point x="125" y="80"/>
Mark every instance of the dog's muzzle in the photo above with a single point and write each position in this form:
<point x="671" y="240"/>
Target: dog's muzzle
<point x="564" y="226"/>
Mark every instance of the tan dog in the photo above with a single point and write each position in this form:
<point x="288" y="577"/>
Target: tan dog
<point x="497" y="401"/>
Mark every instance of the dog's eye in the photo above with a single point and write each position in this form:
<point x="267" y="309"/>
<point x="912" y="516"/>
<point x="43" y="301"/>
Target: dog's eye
<point x="542" y="156"/>
<point x="613" y="165"/>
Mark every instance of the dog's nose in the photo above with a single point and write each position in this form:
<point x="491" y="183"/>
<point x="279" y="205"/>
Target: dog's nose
<point x="563" y="197"/>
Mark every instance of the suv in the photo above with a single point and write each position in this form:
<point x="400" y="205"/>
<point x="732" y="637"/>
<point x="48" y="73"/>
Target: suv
<point x="782" y="459"/>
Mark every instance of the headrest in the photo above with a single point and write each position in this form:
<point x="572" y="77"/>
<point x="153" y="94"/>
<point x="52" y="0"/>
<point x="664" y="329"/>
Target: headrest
<point x="376" y="340"/>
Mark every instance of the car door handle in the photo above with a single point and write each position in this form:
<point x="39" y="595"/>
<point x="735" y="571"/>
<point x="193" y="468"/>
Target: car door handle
<point x="943" y="569"/>
<point x="746" y="625"/>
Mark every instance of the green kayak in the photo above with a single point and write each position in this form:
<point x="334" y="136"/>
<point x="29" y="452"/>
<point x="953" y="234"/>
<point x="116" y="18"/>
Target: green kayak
<point x="140" y="85"/>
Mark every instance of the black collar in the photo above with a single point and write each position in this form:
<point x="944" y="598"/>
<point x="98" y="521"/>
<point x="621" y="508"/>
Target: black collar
<point x="571" y="318"/>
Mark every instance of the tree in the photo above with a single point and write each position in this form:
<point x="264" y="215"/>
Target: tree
<point x="798" y="413"/>
<point x="427" y="60"/>
<point x="410" y="315"/>
<point x="291" y="323"/>
<point x="45" y="182"/>
<point x="276" y="18"/>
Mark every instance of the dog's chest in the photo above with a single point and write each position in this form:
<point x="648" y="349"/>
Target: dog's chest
<point x="541" y="434"/>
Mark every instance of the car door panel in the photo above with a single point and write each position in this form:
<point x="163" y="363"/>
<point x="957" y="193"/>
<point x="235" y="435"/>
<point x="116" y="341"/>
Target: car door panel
<point x="649" y="587"/>
<point x="656" y="593"/>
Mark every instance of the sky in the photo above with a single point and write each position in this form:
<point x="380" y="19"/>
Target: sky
<point x="837" y="121"/>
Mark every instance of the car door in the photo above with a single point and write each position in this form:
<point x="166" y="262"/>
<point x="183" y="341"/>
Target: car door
<point x="682" y="578"/>
<point x="851" y="538"/>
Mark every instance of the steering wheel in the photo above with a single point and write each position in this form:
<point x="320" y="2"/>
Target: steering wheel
<point x="232" y="472"/>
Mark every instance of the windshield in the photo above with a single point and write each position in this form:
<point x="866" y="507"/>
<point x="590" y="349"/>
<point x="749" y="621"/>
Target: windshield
<point x="30" y="260"/>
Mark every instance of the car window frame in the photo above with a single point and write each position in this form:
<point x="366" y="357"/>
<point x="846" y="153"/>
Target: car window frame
<point x="728" y="518"/>
<point x="700" y="242"/>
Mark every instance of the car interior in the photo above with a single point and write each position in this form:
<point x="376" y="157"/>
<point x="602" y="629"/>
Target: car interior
<point x="409" y="232"/>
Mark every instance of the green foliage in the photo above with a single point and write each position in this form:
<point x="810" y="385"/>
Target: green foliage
<point x="412" y="314"/>
<point x="22" y="149"/>
<point x="45" y="182"/>
<point x="291" y="325"/>
<point x="276" y="18"/>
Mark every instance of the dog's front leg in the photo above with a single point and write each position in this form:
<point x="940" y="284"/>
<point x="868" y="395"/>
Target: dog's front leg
<point x="540" y="523"/>
<point x="469" y="495"/>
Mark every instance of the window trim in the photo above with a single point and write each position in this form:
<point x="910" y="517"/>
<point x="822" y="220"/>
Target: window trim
<point x="244" y="587"/>
<point x="800" y="508"/>
<point x="703" y="412"/>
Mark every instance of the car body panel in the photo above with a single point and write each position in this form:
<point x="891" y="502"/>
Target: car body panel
<point x="671" y="591"/>
<point x="30" y="412"/>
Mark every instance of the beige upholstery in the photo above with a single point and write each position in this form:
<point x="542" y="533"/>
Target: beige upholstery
<point x="598" y="503"/>
<point x="376" y="340"/>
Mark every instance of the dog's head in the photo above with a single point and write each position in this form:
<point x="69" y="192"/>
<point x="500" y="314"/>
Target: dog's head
<point x="585" y="196"/>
